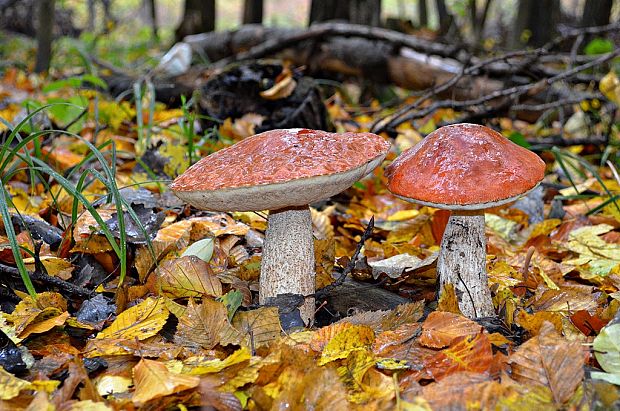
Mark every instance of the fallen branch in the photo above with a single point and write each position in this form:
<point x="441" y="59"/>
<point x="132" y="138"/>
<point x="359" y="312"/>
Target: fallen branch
<point x="59" y="283"/>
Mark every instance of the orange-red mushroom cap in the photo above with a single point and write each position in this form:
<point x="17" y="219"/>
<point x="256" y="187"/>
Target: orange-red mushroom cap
<point x="464" y="167"/>
<point x="280" y="168"/>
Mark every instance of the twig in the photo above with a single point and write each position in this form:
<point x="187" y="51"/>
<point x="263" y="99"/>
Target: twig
<point x="50" y="280"/>
<point x="351" y="265"/>
<point x="512" y="92"/>
<point x="525" y="270"/>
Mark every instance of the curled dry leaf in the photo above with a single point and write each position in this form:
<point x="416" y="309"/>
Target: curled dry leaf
<point x="549" y="360"/>
<point x="441" y="328"/>
<point x="153" y="380"/>
<point x="187" y="276"/>
<point x="345" y="341"/>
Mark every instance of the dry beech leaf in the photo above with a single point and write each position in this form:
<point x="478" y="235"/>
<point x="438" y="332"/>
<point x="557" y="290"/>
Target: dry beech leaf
<point x="284" y="86"/>
<point x="10" y="385"/>
<point x="347" y="340"/>
<point x="364" y="382"/>
<point x="465" y="390"/>
<point x="403" y="314"/>
<point x="466" y="353"/>
<point x="120" y="346"/>
<point x="318" y="389"/>
<point x="549" y="360"/>
<point x="533" y="322"/>
<point x="391" y="340"/>
<point x="140" y="322"/>
<point x="202" y="324"/>
<point x="47" y="320"/>
<point x="258" y="327"/>
<point x="325" y="334"/>
<point x="187" y="276"/>
<point x="441" y="328"/>
<point x="201" y="365"/>
<point x="153" y="380"/>
<point x="212" y="397"/>
<point x="28" y="311"/>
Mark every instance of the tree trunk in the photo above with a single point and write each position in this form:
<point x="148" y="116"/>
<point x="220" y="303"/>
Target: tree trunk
<point x="462" y="263"/>
<point x="533" y="27"/>
<point x="444" y="17"/>
<point x="198" y="17"/>
<point x="153" y="10"/>
<point x="596" y="12"/>
<point x="422" y="13"/>
<point x="45" y="34"/>
<point x="253" y="12"/>
<point x="324" y="10"/>
<point x="366" y="12"/>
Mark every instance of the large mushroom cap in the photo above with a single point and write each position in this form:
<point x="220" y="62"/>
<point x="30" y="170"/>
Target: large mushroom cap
<point x="280" y="168"/>
<point x="464" y="167"/>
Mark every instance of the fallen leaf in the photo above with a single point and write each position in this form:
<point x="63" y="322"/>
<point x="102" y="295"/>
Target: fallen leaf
<point x="345" y="341"/>
<point x="441" y="328"/>
<point x="187" y="277"/>
<point x="153" y="380"/>
<point x="140" y="322"/>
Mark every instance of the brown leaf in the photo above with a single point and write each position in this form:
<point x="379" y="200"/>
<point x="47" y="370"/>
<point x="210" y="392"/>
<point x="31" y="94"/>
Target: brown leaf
<point x="202" y="324"/>
<point x="551" y="361"/>
<point x="187" y="276"/>
<point x="441" y="328"/>
<point x="153" y="380"/>
<point x="448" y="301"/>
<point x="464" y="390"/>
<point x="259" y="327"/>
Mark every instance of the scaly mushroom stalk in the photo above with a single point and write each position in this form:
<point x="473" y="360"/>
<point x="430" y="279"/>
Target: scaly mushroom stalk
<point x="462" y="262"/>
<point x="287" y="264"/>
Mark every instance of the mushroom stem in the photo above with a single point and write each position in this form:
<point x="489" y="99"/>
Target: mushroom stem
<point x="288" y="257"/>
<point x="462" y="262"/>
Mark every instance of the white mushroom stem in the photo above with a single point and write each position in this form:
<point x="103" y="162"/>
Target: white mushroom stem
<point x="288" y="257"/>
<point x="462" y="262"/>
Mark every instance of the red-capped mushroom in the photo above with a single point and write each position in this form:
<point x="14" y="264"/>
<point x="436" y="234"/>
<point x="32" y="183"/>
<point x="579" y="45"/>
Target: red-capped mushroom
<point x="465" y="168"/>
<point x="282" y="171"/>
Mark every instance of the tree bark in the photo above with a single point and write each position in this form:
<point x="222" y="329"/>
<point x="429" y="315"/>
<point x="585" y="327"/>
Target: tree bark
<point x="253" y="12"/>
<point x="153" y="10"/>
<point x="198" y="17"/>
<point x="45" y="35"/>
<point x="287" y="264"/>
<point x="596" y="12"/>
<point x="444" y="17"/>
<point x="533" y="27"/>
<point x="90" y="25"/>
<point x="366" y="12"/>
<point x="422" y="13"/>
<point x="462" y="263"/>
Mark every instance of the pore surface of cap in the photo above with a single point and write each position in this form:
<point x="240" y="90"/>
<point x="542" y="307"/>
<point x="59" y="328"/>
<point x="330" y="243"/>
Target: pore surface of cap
<point x="280" y="168"/>
<point x="464" y="166"/>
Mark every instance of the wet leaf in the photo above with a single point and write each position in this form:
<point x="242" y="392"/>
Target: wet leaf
<point x="201" y="325"/>
<point x="10" y="386"/>
<point x="470" y="353"/>
<point x="345" y="341"/>
<point x="441" y="328"/>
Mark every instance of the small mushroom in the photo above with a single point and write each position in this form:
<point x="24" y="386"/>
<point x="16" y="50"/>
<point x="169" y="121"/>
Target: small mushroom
<point x="282" y="171"/>
<point x="465" y="168"/>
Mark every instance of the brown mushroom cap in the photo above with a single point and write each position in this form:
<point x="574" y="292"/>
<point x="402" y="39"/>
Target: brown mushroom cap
<point x="280" y="168"/>
<point x="464" y="167"/>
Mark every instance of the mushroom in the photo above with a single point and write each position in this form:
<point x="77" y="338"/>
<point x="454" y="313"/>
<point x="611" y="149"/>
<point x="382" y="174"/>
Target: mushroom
<point x="465" y="168"/>
<point x="282" y="171"/>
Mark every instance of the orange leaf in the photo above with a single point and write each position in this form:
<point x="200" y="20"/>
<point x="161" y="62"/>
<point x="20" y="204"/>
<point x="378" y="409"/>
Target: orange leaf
<point x="441" y="328"/>
<point x="466" y="353"/>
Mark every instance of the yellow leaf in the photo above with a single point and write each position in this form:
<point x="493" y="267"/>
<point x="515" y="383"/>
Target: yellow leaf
<point x="201" y="365"/>
<point x="10" y="385"/>
<point x="176" y="156"/>
<point x="140" y="322"/>
<point x="48" y="319"/>
<point x="610" y="87"/>
<point x="109" y="384"/>
<point x="283" y="88"/>
<point x="89" y="405"/>
<point x="601" y="257"/>
<point x="347" y="340"/>
<point x="153" y="380"/>
<point x="187" y="276"/>
<point x="57" y="267"/>
<point x="28" y="310"/>
<point x="544" y="227"/>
